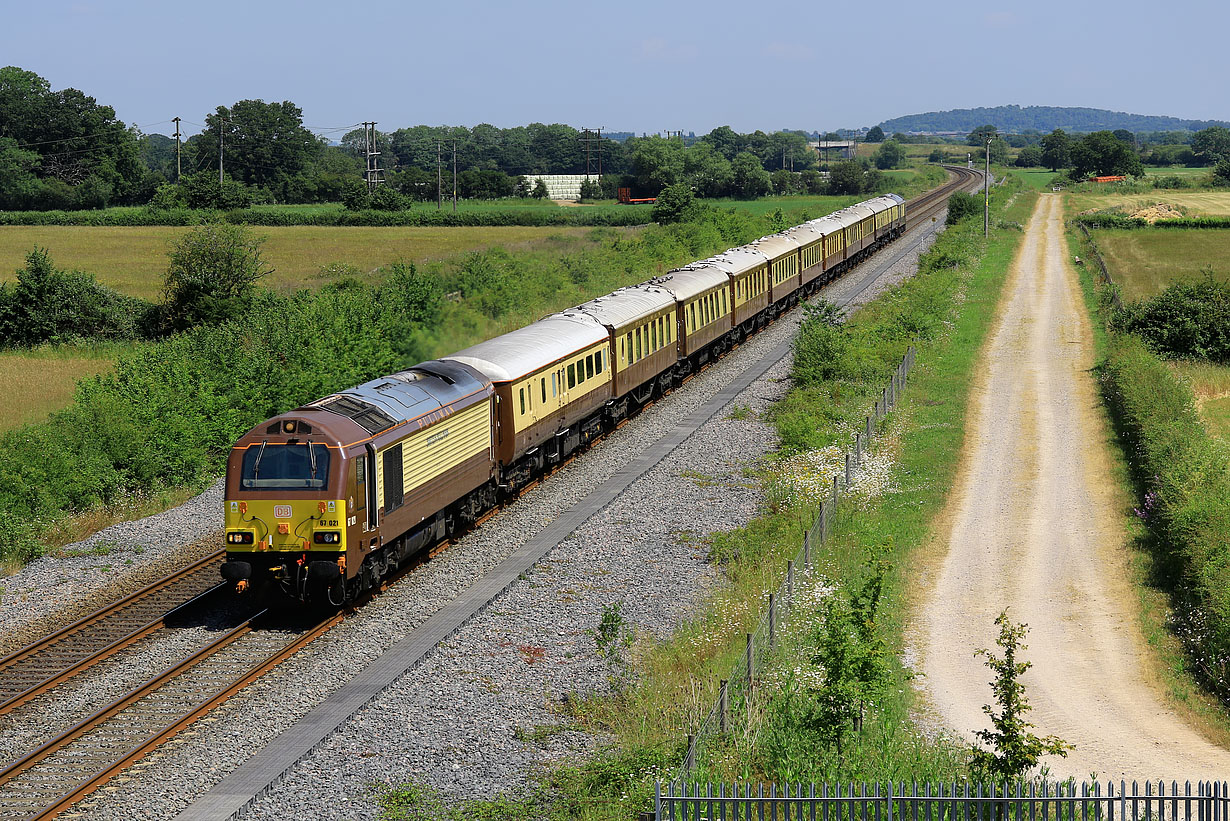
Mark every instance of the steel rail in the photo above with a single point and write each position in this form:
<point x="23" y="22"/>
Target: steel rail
<point x="31" y="658"/>
<point x="159" y="733"/>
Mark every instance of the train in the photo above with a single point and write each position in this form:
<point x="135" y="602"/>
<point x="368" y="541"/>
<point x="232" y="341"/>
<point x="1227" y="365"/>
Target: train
<point x="327" y="500"/>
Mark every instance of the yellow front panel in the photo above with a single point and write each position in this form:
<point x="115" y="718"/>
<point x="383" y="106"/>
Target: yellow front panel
<point x="301" y="518"/>
<point x="428" y="453"/>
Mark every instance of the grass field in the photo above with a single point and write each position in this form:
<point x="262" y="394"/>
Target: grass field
<point x="1194" y="203"/>
<point x="1211" y="384"/>
<point x="42" y="380"/>
<point x="134" y="260"/>
<point x="1144" y="261"/>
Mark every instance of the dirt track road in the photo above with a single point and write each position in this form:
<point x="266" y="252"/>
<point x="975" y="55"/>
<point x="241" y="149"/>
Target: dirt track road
<point x="1033" y="525"/>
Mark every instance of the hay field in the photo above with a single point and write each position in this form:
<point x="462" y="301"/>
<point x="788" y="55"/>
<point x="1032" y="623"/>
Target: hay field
<point x="42" y="380"/>
<point x="134" y="260"/>
<point x="1211" y="384"/>
<point x="1195" y="203"/>
<point x="1144" y="261"/>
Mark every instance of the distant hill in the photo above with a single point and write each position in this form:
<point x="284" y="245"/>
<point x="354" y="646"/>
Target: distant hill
<point x="1015" y="119"/>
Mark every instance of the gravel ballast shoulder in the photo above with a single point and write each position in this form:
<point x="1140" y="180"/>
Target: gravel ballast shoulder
<point x="457" y="720"/>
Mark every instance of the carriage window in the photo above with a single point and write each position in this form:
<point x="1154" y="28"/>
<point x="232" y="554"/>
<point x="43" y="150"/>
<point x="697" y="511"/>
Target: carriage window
<point x="580" y="371"/>
<point x="724" y="302"/>
<point x="589" y="366"/>
<point x="572" y="376"/>
<point x="638" y="344"/>
<point x="670" y="320"/>
<point x="692" y="317"/>
<point x="653" y="336"/>
<point x="598" y="361"/>
<point x="521" y="391"/>
<point x="544" y="390"/>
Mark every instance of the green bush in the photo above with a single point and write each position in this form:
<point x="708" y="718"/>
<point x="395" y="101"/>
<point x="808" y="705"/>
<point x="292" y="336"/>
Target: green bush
<point x="50" y="305"/>
<point x="1185" y="477"/>
<point x="1187" y="319"/>
<point x="962" y="205"/>
<point x="212" y="275"/>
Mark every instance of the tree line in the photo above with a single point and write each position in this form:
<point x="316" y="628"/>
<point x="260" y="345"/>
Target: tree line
<point x="63" y="150"/>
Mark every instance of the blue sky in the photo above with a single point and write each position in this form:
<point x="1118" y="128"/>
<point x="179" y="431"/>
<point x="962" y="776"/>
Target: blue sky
<point x="629" y="65"/>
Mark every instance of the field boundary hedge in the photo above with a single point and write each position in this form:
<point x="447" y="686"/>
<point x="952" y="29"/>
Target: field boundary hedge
<point x="1131" y="223"/>
<point x="532" y="217"/>
<point x="1184" y="475"/>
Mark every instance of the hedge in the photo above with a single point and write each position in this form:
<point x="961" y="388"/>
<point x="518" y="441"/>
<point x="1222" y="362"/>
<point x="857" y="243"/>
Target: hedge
<point x="1185" y="473"/>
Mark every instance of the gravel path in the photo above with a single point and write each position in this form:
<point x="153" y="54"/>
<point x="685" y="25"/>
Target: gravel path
<point x="1034" y="525"/>
<point x="456" y="721"/>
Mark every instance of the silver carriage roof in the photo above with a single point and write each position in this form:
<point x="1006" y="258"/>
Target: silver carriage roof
<point x="692" y="280"/>
<point x="521" y="352"/>
<point x="624" y="306"/>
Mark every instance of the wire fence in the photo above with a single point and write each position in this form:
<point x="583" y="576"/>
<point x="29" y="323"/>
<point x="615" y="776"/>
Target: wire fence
<point x="1115" y="299"/>
<point x="737" y="691"/>
<point x="1018" y="801"/>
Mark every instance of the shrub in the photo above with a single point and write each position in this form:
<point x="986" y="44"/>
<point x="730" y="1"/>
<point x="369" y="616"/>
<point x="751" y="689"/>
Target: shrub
<point x="50" y="305"/>
<point x="674" y="204"/>
<point x="212" y="275"/>
<point x="1187" y="319"/>
<point x="962" y="205"/>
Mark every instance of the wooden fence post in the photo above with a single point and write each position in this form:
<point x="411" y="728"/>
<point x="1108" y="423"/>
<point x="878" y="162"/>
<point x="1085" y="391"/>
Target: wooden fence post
<point x="858" y="448"/>
<point x="849" y="473"/>
<point x="723" y="707"/>
<point x="790" y="581"/>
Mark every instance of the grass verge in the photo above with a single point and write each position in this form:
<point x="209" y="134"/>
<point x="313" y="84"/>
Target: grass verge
<point x="1155" y="566"/>
<point x="948" y="309"/>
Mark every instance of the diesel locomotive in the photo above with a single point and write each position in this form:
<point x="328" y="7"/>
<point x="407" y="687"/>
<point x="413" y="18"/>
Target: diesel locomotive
<point x="329" y="498"/>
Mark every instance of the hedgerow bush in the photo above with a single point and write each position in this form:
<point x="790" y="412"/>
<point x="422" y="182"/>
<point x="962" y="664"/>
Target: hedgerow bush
<point x="47" y="304"/>
<point x="625" y="216"/>
<point x="1186" y="320"/>
<point x="1185" y="477"/>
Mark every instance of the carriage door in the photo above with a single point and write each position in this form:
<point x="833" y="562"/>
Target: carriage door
<point x="367" y="475"/>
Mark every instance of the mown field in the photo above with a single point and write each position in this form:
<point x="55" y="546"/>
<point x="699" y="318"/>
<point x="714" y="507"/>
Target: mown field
<point x="1144" y="261"/>
<point x="1195" y="203"/>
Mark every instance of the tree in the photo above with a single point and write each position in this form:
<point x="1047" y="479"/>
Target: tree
<point x="962" y="205"/>
<point x="76" y="140"/>
<point x="999" y="151"/>
<point x="657" y="162"/>
<point x="936" y="155"/>
<point x="875" y="134"/>
<point x="724" y="140"/>
<point x="1030" y="157"/>
<point x="1014" y="750"/>
<point x="1124" y="136"/>
<point x="540" y="190"/>
<point x="263" y="144"/>
<point x="1212" y="145"/>
<point x="890" y="154"/>
<point x="1056" y="150"/>
<point x="1100" y="154"/>
<point x="202" y="190"/>
<point x="675" y="203"/>
<point x="846" y="177"/>
<point x="707" y="170"/>
<point x="212" y="274"/>
<point x="749" y="180"/>
<point x="979" y="135"/>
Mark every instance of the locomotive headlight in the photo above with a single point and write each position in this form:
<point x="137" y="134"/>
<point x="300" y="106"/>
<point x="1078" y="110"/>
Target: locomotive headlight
<point x="327" y="537"/>
<point x="240" y="537"/>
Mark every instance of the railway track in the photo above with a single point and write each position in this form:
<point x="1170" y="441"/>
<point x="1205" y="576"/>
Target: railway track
<point x="47" y="780"/>
<point x="57" y="657"/>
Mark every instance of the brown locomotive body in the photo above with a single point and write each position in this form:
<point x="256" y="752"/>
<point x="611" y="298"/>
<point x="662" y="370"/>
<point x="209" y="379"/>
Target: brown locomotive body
<point x="336" y="492"/>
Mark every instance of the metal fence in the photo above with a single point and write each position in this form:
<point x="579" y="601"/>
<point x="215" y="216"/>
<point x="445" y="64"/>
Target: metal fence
<point x="738" y="689"/>
<point x="1020" y="801"/>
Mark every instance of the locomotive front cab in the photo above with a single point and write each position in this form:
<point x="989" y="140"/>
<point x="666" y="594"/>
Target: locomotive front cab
<point x="286" y="511"/>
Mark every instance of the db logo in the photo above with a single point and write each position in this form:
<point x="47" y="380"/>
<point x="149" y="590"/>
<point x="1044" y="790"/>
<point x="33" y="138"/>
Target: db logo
<point x="281" y="511"/>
